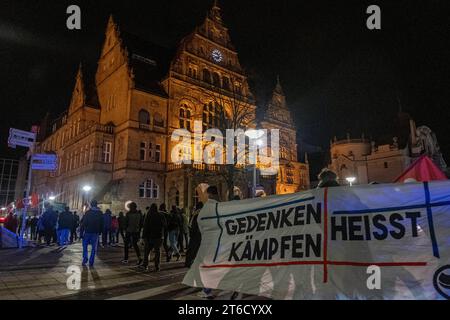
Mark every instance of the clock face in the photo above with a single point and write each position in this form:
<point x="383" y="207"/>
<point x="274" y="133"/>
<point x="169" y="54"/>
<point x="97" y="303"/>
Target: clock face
<point x="217" y="55"/>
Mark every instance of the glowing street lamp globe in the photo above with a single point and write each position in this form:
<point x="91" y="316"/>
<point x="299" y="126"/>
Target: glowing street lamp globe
<point x="350" y="180"/>
<point x="87" y="188"/>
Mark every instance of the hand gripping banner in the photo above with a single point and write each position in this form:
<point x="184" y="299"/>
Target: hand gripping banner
<point x="319" y="244"/>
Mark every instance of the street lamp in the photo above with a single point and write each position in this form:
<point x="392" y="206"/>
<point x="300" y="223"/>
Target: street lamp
<point x="254" y="134"/>
<point x="86" y="189"/>
<point x="52" y="198"/>
<point x="350" y="180"/>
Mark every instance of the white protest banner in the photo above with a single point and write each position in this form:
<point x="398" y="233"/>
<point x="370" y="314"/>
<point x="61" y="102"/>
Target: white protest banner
<point x="320" y="244"/>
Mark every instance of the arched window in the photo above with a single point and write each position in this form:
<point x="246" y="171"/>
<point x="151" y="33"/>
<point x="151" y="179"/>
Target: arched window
<point x="206" y="76"/>
<point x="216" y="79"/>
<point x="144" y="119"/>
<point x="213" y="115"/>
<point x="226" y="83"/>
<point x="149" y="190"/>
<point x="185" y="117"/>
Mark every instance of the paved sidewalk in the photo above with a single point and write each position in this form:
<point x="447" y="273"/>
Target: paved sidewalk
<point x="40" y="273"/>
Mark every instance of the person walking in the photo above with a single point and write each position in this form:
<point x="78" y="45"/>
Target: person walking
<point x="195" y="237"/>
<point x="133" y="225"/>
<point x="33" y="227"/>
<point x="163" y="211"/>
<point x="49" y="220"/>
<point x="174" y="225"/>
<point x="121" y="230"/>
<point x="65" y="224"/>
<point x="184" y="230"/>
<point x="92" y="224"/>
<point x="75" y="225"/>
<point x="107" y="217"/>
<point x="113" y="235"/>
<point x="153" y="234"/>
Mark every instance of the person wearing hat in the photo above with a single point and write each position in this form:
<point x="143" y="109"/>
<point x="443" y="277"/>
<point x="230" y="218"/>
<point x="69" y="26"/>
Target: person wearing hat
<point x="92" y="224"/>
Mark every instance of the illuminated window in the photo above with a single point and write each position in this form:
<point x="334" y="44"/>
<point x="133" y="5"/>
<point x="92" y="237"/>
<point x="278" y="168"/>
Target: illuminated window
<point x="185" y="117"/>
<point x="107" y="147"/>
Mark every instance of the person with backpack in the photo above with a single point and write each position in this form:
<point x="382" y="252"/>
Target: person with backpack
<point x="173" y="227"/>
<point x="153" y="234"/>
<point x="92" y="224"/>
<point x="133" y="226"/>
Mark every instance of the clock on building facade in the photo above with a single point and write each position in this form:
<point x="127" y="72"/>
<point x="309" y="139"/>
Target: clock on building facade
<point x="217" y="55"/>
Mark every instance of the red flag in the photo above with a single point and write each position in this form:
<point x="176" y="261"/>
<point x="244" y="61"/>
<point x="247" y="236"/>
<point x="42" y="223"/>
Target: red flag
<point x="423" y="169"/>
<point x="34" y="200"/>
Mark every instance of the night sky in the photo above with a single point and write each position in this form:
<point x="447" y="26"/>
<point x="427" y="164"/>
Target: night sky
<point x="338" y="76"/>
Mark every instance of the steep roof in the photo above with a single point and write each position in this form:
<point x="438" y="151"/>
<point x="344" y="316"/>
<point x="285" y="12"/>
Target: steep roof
<point x="149" y="62"/>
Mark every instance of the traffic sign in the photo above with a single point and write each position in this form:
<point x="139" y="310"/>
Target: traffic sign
<point x="21" y="138"/>
<point x="47" y="162"/>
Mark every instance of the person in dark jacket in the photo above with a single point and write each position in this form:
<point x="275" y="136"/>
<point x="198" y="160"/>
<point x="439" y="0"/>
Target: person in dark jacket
<point x="133" y="226"/>
<point x="174" y="224"/>
<point x="327" y="179"/>
<point x="163" y="211"/>
<point x="75" y="225"/>
<point x="33" y="227"/>
<point x="92" y="224"/>
<point x="153" y="234"/>
<point x="65" y="223"/>
<point x="121" y="230"/>
<point x="195" y="237"/>
<point x="107" y="217"/>
<point x="49" y="220"/>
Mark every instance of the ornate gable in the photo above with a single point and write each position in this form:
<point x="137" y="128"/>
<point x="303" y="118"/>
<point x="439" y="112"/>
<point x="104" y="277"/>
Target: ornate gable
<point x="79" y="93"/>
<point x="277" y="108"/>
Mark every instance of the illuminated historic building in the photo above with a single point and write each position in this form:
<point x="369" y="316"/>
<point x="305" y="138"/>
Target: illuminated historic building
<point x="116" y="134"/>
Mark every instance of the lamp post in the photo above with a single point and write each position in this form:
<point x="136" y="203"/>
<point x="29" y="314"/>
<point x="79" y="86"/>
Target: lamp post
<point x="255" y="135"/>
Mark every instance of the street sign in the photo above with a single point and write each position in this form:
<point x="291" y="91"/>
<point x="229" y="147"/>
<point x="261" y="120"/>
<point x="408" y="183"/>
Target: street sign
<point x="47" y="162"/>
<point x="21" y="138"/>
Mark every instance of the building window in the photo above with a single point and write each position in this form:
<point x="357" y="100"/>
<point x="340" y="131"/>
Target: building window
<point x="216" y="80"/>
<point x="185" y="117"/>
<point x="206" y="76"/>
<point x="192" y="72"/>
<point x="158" y="153"/>
<point x="144" y="119"/>
<point x="177" y="198"/>
<point x="226" y="83"/>
<point x="143" y="151"/>
<point x="107" y="147"/>
<point x="150" y="151"/>
<point x="386" y="165"/>
<point x="159" y="121"/>
<point x="213" y="116"/>
<point x="149" y="190"/>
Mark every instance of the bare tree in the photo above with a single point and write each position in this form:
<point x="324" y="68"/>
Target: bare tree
<point x="235" y="112"/>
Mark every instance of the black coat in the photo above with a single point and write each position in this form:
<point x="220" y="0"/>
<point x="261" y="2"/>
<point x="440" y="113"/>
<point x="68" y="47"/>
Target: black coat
<point x="194" y="242"/>
<point x="92" y="221"/>
<point x="65" y="220"/>
<point x="154" y="226"/>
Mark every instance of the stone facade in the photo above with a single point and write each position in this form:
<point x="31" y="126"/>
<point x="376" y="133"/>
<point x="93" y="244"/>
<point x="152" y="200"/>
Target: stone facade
<point x="116" y="134"/>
